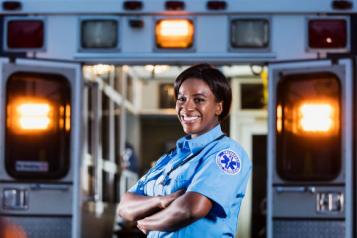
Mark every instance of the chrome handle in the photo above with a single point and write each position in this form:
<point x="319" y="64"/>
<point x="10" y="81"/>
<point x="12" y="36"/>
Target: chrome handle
<point x="300" y="189"/>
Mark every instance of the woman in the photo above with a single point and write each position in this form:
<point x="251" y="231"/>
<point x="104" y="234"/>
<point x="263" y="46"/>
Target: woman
<point x="196" y="189"/>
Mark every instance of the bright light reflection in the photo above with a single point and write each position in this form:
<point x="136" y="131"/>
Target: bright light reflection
<point x="174" y="28"/>
<point x="68" y="117"/>
<point x="316" y="117"/>
<point x="279" y="115"/>
<point x="34" y="123"/>
<point x="156" y="68"/>
<point x="33" y="116"/>
<point x="102" y="69"/>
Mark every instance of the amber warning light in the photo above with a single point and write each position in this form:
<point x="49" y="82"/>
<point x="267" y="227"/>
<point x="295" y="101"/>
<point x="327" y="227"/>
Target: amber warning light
<point x="174" y="33"/>
<point x="30" y="116"/>
<point x="317" y="117"/>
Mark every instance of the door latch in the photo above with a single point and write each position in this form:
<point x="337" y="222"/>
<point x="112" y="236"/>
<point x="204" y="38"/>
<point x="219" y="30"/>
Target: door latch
<point x="15" y="199"/>
<point x="329" y="202"/>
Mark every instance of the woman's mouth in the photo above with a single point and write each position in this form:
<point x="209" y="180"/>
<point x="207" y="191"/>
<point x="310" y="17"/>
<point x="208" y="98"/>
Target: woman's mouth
<point x="189" y="119"/>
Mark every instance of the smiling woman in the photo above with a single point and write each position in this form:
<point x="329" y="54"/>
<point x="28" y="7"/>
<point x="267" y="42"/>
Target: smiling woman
<point x="198" y="187"/>
<point x="209" y="91"/>
<point x="197" y="107"/>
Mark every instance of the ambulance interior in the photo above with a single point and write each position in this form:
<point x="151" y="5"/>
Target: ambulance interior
<point x="146" y="119"/>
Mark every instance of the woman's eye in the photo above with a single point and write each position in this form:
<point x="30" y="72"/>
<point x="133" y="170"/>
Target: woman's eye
<point x="181" y="99"/>
<point x="199" y="100"/>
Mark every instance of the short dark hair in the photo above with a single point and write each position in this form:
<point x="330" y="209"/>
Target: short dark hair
<point x="216" y="81"/>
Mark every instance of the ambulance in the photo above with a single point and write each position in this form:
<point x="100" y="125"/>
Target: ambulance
<point x="81" y="78"/>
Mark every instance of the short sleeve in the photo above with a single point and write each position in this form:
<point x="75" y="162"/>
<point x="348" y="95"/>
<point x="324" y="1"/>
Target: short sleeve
<point x="221" y="178"/>
<point x="138" y="188"/>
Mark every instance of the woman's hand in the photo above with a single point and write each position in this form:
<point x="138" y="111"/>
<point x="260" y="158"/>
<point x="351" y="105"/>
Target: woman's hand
<point x="165" y="201"/>
<point x="182" y="211"/>
<point x="142" y="228"/>
<point x="133" y="207"/>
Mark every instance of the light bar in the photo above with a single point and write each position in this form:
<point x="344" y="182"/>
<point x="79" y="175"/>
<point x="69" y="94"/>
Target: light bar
<point x="99" y="34"/>
<point x="250" y="33"/>
<point x="174" y="33"/>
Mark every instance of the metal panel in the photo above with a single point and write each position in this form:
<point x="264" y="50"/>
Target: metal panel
<point x="303" y="203"/>
<point x="41" y="227"/>
<point x="308" y="229"/>
<point x="52" y="199"/>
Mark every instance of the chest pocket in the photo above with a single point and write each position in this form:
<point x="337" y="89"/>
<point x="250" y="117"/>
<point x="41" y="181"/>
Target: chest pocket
<point x="182" y="177"/>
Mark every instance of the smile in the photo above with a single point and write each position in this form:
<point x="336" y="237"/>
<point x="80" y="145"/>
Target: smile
<point x="189" y="119"/>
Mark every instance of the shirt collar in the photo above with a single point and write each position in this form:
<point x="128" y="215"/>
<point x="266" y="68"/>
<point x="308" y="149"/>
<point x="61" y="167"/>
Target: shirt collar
<point x="196" y="144"/>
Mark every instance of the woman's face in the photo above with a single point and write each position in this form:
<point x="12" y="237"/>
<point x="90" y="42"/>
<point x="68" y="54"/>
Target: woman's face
<point x="196" y="107"/>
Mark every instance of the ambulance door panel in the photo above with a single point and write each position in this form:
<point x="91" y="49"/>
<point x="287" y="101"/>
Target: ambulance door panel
<point x="39" y="203"/>
<point x="325" y="69"/>
<point x="309" y="160"/>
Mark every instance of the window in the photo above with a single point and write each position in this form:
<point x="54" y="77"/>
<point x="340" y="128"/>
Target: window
<point x="252" y="96"/>
<point x="167" y="96"/>
<point x="308" y="119"/>
<point x="38" y="126"/>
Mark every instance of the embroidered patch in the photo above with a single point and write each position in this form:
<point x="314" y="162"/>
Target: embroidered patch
<point x="228" y="161"/>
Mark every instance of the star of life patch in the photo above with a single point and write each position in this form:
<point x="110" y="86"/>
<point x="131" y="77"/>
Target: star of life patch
<point x="229" y="162"/>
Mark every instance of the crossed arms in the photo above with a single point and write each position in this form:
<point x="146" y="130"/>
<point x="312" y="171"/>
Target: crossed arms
<point x="164" y="213"/>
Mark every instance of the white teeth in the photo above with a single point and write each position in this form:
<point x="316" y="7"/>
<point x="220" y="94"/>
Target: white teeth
<point x="189" y="118"/>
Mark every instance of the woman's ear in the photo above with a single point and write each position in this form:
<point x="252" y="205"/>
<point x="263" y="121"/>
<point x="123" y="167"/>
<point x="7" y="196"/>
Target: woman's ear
<point x="219" y="108"/>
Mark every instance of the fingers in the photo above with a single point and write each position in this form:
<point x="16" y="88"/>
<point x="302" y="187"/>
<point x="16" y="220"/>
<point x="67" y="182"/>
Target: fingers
<point x="141" y="227"/>
<point x="181" y="192"/>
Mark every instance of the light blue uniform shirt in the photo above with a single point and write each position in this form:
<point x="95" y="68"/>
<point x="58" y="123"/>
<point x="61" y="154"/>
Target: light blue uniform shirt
<point x="219" y="171"/>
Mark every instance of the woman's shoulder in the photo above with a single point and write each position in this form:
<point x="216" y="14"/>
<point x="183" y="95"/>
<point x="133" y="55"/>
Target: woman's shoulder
<point x="227" y="143"/>
<point x="228" y="156"/>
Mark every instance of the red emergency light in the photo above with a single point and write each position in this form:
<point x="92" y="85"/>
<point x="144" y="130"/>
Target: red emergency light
<point x="327" y="33"/>
<point x="216" y="5"/>
<point x="25" y="34"/>
<point x="12" y="5"/>
<point x="175" y="6"/>
<point x="133" y="5"/>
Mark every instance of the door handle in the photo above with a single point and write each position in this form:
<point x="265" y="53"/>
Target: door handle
<point x="299" y="189"/>
<point x="56" y="187"/>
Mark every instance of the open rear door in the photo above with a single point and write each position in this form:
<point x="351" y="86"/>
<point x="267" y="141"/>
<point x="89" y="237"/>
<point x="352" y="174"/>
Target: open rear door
<point x="40" y="146"/>
<point x="310" y="149"/>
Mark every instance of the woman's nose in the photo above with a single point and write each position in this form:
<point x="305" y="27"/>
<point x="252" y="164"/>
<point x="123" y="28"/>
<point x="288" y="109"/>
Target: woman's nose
<point x="189" y="105"/>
